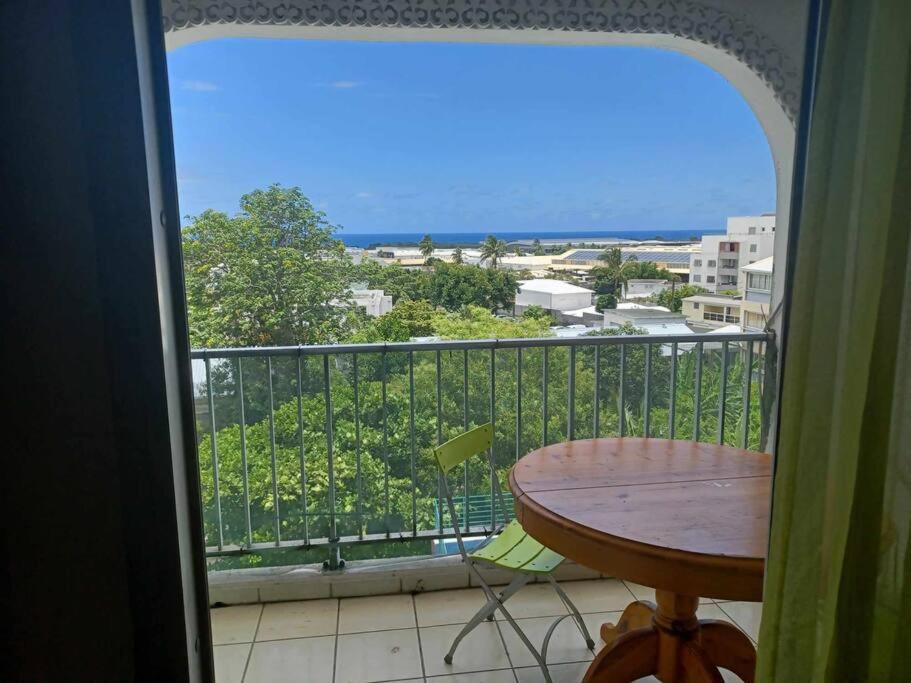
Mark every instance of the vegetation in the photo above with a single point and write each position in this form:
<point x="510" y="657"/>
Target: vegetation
<point x="271" y="275"/>
<point x="426" y="246"/>
<point x="492" y="250"/>
<point x="672" y="297"/>
<point x="275" y="275"/>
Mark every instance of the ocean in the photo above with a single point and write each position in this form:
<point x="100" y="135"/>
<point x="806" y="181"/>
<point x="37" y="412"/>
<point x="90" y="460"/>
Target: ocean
<point x="444" y="239"/>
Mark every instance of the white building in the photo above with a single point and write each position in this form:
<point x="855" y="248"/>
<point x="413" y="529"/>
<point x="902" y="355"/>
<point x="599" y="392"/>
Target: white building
<point x="712" y="310"/>
<point x="374" y="301"/>
<point x="716" y="266"/>
<point x="552" y="295"/>
<point x="756" y="285"/>
<point x="642" y="289"/>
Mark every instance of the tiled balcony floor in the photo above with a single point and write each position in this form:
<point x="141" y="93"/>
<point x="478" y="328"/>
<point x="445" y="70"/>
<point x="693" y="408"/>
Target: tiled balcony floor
<point x="403" y="637"/>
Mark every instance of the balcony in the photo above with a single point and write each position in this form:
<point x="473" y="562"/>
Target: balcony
<point x="721" y="318"/>
<point x="308" y="450"/>
<point x="318" y="457"/>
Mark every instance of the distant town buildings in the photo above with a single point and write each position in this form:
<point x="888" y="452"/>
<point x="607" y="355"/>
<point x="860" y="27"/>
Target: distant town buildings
<point x="716" y="265"/>
<point x="749" y="309"/>
<point x="643" y="289"/>
<point x="375" y="302"/>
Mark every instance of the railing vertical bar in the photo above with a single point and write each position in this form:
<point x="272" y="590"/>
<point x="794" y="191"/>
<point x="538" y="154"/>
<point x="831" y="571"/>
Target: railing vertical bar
<point x="333" y="531"/>
<point x="243" y="451"/>
<point x="414" y="480"/>
<point x="722" y="391"/>
<point x="647" y="421"/>
<point x="697" y="391"/>
<point x="303" y="458"/>
<point x="672" y="399"/>
<point x="357" y="448"/>
<point x="466" y="423"/>
<point x="571" y="396"/>
<point x="276" y="516"/>
<point x="385" y="445"/>
<point x="622" y="415"/>
<point x="596" y="426"/>
<point x="493" y="439"/>
<point x="747" y="378"/>
<point x="214" y="448"/>
<point x="439" y="388"/>
<point x="544" y="381"/>
<point x="518" y="403"/>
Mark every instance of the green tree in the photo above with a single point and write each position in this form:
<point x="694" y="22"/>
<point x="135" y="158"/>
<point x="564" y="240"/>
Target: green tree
<point x="457" y="257"/>
<point x="271" y="275"/>
<point x="452" y="286"/>
<point x="616" y="271"/>
<point x="426" y="246"/>
<point x="538" y="249"/>
<point x="604" y="302"/>
<point x="407" y="319"/>
<point x="394" y="280"/>
<point x="538" y="313"/>
<point x="672" y="297"/>
<point x="492" y="250"/>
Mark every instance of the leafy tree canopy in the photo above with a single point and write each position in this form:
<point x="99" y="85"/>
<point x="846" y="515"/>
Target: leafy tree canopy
<point x="272" y="274"/>
<point x="673" y="297"/>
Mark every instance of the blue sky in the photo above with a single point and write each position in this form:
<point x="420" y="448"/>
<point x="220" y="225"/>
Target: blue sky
<point x="388" y="137"/>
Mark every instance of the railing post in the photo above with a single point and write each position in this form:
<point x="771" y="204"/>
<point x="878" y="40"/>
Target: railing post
<point x="335" y="560"/>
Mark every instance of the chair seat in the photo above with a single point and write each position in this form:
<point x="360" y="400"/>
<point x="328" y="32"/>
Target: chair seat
<point x="514" y="549"/>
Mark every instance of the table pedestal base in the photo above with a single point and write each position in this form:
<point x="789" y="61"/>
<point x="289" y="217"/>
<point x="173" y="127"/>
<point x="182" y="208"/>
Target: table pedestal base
<point x="670" y="643"/>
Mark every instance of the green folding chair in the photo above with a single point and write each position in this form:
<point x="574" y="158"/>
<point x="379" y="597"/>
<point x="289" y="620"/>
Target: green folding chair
<point x="507" y="547"/>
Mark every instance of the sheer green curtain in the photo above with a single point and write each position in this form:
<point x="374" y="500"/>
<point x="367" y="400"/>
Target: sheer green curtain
<point x="838" y="581"/>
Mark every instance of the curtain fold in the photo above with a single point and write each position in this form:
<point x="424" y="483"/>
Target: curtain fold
<point x="838" y="580"/>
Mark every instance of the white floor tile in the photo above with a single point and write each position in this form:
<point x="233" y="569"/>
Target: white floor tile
<point x="375" y="613"/>
<point x="559" y="673"/>
<point x="448" y="607"/>
<point x="747" y="615"/>
<point x="499" y="676"/>
<point x="298" y="619"/>
<point x="234" y="624"/>
<point x="480" y="650"/>
<point x="605" y="595"/>
<point x="566" y="644"/>
<point x="303" y="659"/>
<point x="534" y="600"/>
<point x="230" y="662"/>
<point x="378" y="656"/>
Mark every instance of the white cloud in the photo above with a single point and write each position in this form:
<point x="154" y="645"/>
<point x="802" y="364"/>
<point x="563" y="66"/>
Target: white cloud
<point x="345" y="85"/>
<point x="364" y="195"/>
<point x="199" y="86"/>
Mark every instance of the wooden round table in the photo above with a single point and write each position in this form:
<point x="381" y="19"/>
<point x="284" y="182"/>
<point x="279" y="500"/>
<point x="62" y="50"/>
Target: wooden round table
<point x="688" y="519"/>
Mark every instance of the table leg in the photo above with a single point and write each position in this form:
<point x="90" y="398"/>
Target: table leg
<point x="636" y="615"/>
<point x="669" y="642"/>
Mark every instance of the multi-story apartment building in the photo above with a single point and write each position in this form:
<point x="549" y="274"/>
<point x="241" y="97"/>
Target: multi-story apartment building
<point x="716" y="266"/>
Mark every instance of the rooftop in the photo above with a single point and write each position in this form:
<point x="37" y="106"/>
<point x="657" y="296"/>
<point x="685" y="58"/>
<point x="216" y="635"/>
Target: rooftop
<point x="552" y="287"/>
<point x="761" y="266"/>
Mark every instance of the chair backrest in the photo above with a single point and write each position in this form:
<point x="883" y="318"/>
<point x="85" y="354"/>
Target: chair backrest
<point x="458" y="450"/>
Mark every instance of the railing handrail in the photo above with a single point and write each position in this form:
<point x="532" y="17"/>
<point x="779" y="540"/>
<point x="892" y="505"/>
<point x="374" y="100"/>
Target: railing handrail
<point x="468" y="344"/>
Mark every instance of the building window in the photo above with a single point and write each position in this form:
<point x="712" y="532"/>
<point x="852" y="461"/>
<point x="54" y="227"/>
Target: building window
<point x="710" y="278"/>
<point x="753" y="248"/>
<point x="697" y="278"/>
<point x="695" y="304"/>
<point x="761" y="281"/>
<point x="697" y="263"/>
<point x="712" y="263"/>
<point x="751" y="231"/>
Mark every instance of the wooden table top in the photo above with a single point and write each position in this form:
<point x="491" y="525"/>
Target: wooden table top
<point x="692" y="518"/>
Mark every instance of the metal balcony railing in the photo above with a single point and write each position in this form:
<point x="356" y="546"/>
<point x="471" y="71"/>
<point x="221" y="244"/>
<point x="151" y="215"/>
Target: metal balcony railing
<point x="331" y="445"/>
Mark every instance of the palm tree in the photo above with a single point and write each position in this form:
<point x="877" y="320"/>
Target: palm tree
<point x="426" y="246"/>
<point x="618" y="270"/>
<point x="493" y="250"/>
<point x="457" y="256"/>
